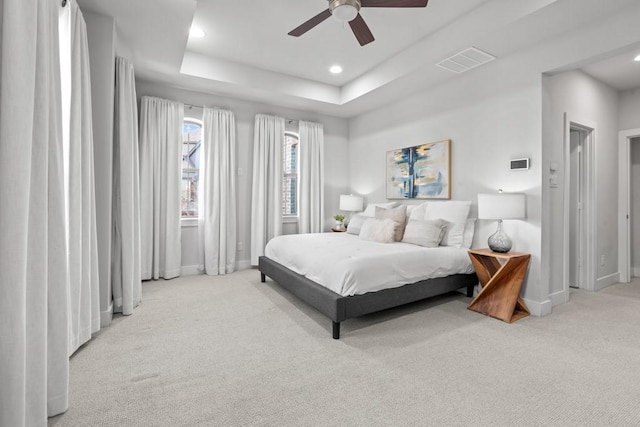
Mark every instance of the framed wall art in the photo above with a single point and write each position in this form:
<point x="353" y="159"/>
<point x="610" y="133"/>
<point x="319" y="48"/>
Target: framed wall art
<point x="420" y="172"/>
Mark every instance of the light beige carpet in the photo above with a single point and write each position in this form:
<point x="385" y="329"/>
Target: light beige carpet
<point x="231" y="351"/>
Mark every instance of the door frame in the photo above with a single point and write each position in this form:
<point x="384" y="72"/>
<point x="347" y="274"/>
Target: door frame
<point x="588" y="226"/>
<point x="580" y="175"/>
<point x="624" y="202"/>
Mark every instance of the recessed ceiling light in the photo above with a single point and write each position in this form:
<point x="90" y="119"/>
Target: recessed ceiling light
<point x="335" y="69"/>
<point x="637" y="58"/>
<point x="196" y="32"/>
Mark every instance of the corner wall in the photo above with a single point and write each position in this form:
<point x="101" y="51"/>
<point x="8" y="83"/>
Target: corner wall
<point x="584" y="97"/>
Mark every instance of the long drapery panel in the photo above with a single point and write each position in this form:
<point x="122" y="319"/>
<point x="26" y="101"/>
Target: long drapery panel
<point x="125" y="245"/>
<point x="311" y="200"/>
<point x="160" y="166"/>
<point x="266" y="197"/>
<point x="84" y="292"/>
<point x="217" y="192"/>
<point x="34" y="361"/>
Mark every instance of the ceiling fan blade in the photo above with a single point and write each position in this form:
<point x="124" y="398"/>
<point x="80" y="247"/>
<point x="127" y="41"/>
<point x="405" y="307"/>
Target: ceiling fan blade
<point x="361" y="30"/>
<point x="394" y="3"/>
<point x="297" y="32"/>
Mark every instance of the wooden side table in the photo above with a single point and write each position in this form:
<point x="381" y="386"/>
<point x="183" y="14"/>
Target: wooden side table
<point x="501" y="276"/>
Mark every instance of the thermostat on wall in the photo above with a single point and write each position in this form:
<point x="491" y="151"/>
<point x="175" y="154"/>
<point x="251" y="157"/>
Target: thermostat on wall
<point x="519" y="164"/>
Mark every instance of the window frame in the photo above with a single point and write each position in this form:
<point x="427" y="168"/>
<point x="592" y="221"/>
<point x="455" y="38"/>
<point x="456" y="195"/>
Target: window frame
<point x="189" y="220"/>
<point x="285" y="175"/>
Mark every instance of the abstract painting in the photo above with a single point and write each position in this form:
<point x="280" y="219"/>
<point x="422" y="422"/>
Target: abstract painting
<point x="420" y="172"/>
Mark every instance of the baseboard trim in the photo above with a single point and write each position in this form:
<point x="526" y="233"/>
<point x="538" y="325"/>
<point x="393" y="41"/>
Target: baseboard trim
<point x="194" y="270"/>
<point x="106" y="316"/>
<point x="605" y="281"/>
<point x="537" y="308"/>
<point x="191" y="270"/>
<point x="244" y="264"/>
<point x="558" y="298"/>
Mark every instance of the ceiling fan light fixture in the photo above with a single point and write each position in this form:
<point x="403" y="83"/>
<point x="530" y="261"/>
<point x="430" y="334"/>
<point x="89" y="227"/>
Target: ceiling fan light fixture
<point x="345" y="10"/>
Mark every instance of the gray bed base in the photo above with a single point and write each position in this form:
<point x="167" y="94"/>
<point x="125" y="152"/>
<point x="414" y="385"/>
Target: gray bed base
<point x="339" y="308"/>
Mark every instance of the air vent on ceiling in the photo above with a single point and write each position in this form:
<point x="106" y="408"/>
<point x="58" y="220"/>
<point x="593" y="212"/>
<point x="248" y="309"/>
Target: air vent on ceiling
<point x="465" y="60"/>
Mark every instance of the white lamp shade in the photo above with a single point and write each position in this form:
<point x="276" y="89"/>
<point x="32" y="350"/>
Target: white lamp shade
<point x="349" y="202"/>
<point x="501" y="206"/>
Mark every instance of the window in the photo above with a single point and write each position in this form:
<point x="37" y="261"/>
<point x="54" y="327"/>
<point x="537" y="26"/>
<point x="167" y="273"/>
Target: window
<point x="191" y="138"/>
<point x="290" y="175"/>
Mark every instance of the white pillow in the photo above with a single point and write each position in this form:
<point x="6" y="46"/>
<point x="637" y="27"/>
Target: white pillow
<point x="355" y="224"/>
<point x="370" y="211"/>
<point x="425" y="232"/>
<point x="417" y="211"/>
<point x="378" y="230"/>
<point x="455" y="213"/>
<point x="467" y="235"/>
<point x="399" y="217"/>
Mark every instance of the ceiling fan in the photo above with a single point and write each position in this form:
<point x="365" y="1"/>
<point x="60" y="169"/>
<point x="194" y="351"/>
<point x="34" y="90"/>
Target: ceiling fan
<point x="349" y="11"/>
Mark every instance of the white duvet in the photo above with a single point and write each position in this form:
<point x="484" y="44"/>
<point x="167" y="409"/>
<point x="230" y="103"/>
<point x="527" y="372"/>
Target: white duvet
<point x="348" y="265"/>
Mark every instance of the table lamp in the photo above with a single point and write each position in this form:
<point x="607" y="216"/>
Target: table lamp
<point x="350" y="203"/>
<point x="501" y="206"/>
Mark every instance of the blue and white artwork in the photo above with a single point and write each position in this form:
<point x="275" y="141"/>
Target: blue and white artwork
<point x="420" y="172"/>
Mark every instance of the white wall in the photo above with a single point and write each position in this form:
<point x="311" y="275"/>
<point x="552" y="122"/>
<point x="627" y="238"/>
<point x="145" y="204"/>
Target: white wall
<point x="491" y="114"/>
<point x="629" y="110"/>
<point x="102" y="40"/>
<point x="336" y="155"/>
<point x="589" y="100"/>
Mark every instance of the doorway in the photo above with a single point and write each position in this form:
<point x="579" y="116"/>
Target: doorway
<point x="629" y="147"/>
<point x="577" y="138"/>
<point x="579" y="205"/>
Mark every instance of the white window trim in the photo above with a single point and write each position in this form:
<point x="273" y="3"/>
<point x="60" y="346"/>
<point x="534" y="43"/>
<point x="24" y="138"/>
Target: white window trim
<point x="191" y="221"/>
<point x="188" y="222"/>
<point x="289" y="219"/>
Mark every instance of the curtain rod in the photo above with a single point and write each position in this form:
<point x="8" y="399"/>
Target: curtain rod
<point x="290" y="121"/>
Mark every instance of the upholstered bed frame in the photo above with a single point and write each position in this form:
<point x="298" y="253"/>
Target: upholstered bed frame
<point x="339" y="308"/>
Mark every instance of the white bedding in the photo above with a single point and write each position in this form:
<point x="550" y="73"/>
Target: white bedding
<point x="348" y="265"/>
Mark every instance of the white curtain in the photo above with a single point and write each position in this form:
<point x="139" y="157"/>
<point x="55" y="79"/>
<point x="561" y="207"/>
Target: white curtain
<point x="311" y="190"/>
<point x="125" y="246"/>
<point x="82" y="239"/>
<point x="217" y="192"/>
<point x="160" y="169"/>
<point x="266" y="200"/>
<point x="34" y="359"/>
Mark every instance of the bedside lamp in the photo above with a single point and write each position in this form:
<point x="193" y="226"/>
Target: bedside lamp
<point x="501" y="206"/>
<point x="350" y="203"/>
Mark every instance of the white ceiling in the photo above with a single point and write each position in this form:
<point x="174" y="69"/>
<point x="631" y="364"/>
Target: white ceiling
<point x="247" y="53"/>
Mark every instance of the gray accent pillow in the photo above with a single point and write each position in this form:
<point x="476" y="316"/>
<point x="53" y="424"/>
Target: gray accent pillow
<point x="426" y="232"/>
<point x="355" y="224"/>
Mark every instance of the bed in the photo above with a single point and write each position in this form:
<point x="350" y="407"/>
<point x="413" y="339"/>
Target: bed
<point x="344" y="276"/>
